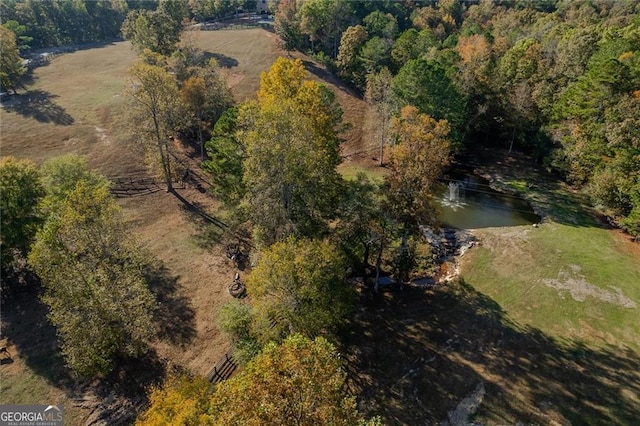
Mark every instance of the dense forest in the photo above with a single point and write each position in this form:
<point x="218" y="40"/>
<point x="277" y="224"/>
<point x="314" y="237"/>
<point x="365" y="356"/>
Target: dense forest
<point x="555" y="79"/>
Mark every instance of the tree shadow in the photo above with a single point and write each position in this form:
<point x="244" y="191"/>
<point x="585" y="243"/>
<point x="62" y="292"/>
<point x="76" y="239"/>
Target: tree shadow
<point x="325" y="75"/>
<point x="173" y="316"/>
<point x="38" y="104"/>
<point x="123" y="393"/>
<point x="223" y="60"/>
<point x="415" y="354"/>
<point x="30" y="334"/>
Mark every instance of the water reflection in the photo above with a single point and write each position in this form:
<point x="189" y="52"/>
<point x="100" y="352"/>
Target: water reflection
<point x="466" y="201"/>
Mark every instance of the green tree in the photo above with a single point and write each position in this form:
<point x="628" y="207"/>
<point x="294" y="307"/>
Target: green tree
<point x="11" y="68"/>
<point x="226" y="158"/>
<point x="375" y="54"/>
<point x="411" y="45"/>
<point x="298" y="287"/>
<point x="379" y="24"/>
<point x="297" y="383"/>
<point x="22" y="39"/>
<point x="323" y="21"/>
<point x="155" y="92"/>
<point x="20" y="192"/>
<point x="155" y="30"/>
<point x="426" y="85"/>
<point x="93" y="275"/>
<point x="287" y="24"/>
<point x="291" y="154"/>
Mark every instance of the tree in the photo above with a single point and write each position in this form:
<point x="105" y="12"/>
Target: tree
<point x="411" y="45"/>
<point x="20" y="190"/>
<point x="22" y="39"/>
<point x="226" y="158"/>
<point x="155" y="30"/>
<point x="297" y="383"/>
<point x="11" y="68"/>
<point x="324" y="21"/>
<point x="375" y="54"/>
<point x="182" y="400"/>
<point x="348" y="61"/>
<point x="416" y="163"/>
<point x="155" y="91"/>
<point x="381" y="25"/>
<point x="291" y="154"/>
<point x="206" y="97"/>
<point x="93" y="273"/>
<point x="426" y="85"/>
<point x="298" y="287"/>
<point x="380" y="94"/>
<point x="287" y="25"/>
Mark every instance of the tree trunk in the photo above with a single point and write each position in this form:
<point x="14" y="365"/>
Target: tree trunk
<point x="164" y="158"/>
<point x="382" y="138"/>
<point x="513" y="136"/>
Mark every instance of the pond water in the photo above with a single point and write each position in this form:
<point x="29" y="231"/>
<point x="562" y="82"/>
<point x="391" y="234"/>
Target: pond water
<point x="466" y="201"/>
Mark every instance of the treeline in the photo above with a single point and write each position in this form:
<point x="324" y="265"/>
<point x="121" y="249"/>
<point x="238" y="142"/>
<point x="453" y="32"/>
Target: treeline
<point x="39" y="24"/>
<point x="559" y="80"/>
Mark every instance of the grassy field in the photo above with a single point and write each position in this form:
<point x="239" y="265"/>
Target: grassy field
<point x="545" y="317"/>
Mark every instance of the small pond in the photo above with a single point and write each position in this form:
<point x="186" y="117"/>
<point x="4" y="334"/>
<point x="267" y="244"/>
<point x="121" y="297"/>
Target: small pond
<point x="466" y="201"/>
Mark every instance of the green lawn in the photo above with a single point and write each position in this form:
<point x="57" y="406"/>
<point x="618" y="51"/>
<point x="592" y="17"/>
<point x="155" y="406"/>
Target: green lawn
<point x="571" y="278"/>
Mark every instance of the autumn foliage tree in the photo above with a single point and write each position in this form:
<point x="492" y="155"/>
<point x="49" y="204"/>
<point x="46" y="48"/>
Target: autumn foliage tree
<point x="299" y="382"/>
<point x="298" y="287"/>
<point x="291" y="152"/>
<point x="416" y="163"/>
<point x="155" y="93"/>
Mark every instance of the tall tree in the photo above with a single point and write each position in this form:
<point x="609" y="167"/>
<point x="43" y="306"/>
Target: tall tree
<point x="380" y="94"/>
<point x="298" y="286"/>
<point x="426" y="85"/>
<point x="11" y="68"/>
<point x="93" y="274"/>
<point x="348" y="62"/>
<point x="155" y="91"/>
<point x="20" y="192"/>
<point x="416" y="163"/>
<point x="155" y="30"/>
<point x="207" y="97"/>
<point x="287" y="24"/>
<point x="292" y="151"/>
<point x="299" y="382"/>
<point x="226" y="159"/>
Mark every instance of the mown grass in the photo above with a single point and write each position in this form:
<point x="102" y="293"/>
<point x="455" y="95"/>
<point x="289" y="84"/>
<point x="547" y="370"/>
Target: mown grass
<point x="515" y="267"/>
<point x="350" y="171"/>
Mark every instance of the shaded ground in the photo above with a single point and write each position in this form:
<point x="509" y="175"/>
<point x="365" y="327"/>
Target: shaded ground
<point x="418" y="353"/>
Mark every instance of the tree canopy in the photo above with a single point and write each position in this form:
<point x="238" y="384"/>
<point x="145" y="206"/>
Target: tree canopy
<point x="93" y="273"/>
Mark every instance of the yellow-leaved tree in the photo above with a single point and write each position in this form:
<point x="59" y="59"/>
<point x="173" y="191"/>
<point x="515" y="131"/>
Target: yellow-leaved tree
<point x="291" y="148"/>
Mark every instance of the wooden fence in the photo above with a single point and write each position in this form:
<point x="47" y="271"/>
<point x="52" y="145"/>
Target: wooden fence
<point x="224" y="369"/>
